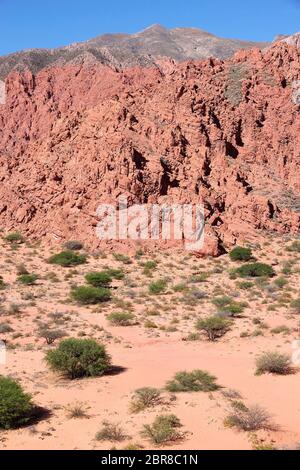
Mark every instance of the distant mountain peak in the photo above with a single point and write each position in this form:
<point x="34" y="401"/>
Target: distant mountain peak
<point x="127" y="50"/>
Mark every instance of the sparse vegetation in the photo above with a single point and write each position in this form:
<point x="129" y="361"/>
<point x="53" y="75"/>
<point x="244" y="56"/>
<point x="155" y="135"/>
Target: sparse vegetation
<point x="164" y="429"/>
<point x="73" y="245"/>
<point x="248" y="419"/>
<point x="98" y="279"/>
<point x="121" y="318"/>
<point x="273" y="362"/>
<point x="14" y="238"/>
<point x="214" y="326"/>
<point x="146" y="397"/>
<point x="51" y="335"/>
<point x="78" y="358"/>
<point x="194" y="381"/>
<point x="27" y="279"/>
<point x="255" y="270"/>
<point x="240" y="254"/>
<point x="158" y="287"/>
<point x="295" y="305"/>
<point x="115" y="273"/>
<point x="67" y="259"/>
<point x="111" y="432"/>
<point x="77" y="410"/>
<point x="88" y="295"/>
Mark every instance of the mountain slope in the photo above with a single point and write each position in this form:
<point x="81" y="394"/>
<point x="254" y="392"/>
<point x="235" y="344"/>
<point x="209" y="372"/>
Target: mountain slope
<point x="125" y="50"/>
<point x="224" y="133"/>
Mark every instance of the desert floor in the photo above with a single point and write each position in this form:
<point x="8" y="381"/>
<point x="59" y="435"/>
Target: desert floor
<point x="160" y="342"/>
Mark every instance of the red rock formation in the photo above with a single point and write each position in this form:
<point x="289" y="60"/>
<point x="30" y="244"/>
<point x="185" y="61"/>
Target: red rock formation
<point x="225" y="133"/>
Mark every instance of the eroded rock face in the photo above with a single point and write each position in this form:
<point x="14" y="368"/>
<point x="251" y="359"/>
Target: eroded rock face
<point x="224" y="133"/>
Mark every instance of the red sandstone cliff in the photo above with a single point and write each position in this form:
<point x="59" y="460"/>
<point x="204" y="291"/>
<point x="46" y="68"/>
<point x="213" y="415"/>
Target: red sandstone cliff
<point x="226" y="133"/>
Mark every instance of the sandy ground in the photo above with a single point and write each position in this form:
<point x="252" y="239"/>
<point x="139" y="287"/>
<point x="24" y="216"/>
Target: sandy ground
<point x="149" y="356"/>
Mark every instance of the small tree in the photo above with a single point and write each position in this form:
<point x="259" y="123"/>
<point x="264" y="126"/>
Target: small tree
<point x="51" y="335"/>
<point x="98" y="279"/>
<point x="213" y="326"/>
<point x="274" y="363"/>
<point x="67" y="258"/>
<point x="240" y="253"/>
<point x="88" y="295"/>
<point x="79" y="358"/>
<point x="255" y="270"/>
<point x="15" y="404"/>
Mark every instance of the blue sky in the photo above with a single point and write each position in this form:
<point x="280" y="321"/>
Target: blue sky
<point x="38" y="23"/>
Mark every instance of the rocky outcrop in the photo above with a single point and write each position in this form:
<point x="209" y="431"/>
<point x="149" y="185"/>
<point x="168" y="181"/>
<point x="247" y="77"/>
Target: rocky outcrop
<point x="222" y="132"/>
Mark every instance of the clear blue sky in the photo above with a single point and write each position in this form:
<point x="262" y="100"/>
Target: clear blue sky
<point x="43" y="23"/>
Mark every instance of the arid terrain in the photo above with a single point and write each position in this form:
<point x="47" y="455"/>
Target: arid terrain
<point x="159" y="340"/>
<point x="199" y="348"/>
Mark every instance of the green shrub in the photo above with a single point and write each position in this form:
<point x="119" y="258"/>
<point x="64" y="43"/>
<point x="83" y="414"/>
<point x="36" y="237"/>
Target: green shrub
<point x="222" y="302"/>
<point x="163" y="429"/>
<point x="240" y="254"/>
<point x="79" y="358"/>
<point x="280" y="282"/>
<point x="255" y="270"/>
<point x="158" y="287"/>
<point x="228" y="305"/>
<point x="27" y="279"/>
<point x="213" y="326"/>
<point x="14" y="237"/>
<point x="15" y="404"/>
<point x="67" y="258"/>
<point x="88" y="295"/>
<point x="98" y="279"/>
<point x="195" y="381"/>
<point x="245" y="285"/>
<point x="148" y="265"/>
<point x="115" y="273"/>
<point x="121" y="318"/>
<point x="145" y="397"/>
<point x="295" y="305"/>
<point x="274" y="363"/>
<point x="122" y="258"/>
<point x="73" y="245"/>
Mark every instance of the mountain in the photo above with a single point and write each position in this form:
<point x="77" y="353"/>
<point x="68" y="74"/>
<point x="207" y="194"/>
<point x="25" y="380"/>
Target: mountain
<point x="125" y="50"/>
<point x="222" y="132"/>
